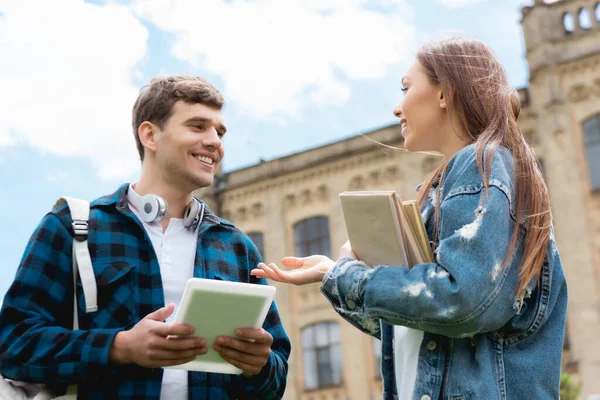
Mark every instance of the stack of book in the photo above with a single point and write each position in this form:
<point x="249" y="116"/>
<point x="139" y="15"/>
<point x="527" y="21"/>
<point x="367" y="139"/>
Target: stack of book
<point x="384" y="230"/>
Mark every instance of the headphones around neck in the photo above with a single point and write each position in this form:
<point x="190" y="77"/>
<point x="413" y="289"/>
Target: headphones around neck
<point x="153" y="208"/>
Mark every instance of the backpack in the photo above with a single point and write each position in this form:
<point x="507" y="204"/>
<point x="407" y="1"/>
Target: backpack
<point x="82" y="266"/>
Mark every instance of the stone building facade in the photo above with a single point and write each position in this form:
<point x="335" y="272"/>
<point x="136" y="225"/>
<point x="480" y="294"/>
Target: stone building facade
<point x="290" y="205"/>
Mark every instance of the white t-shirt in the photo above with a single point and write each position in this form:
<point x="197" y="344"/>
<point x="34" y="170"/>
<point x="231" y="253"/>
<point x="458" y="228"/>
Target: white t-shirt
<point x="407" y="343"/>
<point x="176" y="252"/>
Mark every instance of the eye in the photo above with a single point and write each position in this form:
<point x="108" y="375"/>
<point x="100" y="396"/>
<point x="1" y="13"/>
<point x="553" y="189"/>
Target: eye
<point x="199" y="127"/>
<point x="404" y="89"/>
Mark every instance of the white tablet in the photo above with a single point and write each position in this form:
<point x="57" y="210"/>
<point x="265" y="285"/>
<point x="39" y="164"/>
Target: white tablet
<point x="217" y="308"/>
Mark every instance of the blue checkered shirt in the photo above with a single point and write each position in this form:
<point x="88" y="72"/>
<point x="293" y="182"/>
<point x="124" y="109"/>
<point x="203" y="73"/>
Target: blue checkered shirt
<point x="36" y="340"/>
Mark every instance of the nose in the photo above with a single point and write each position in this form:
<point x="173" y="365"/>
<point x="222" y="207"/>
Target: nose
<point x="212" y="139"/>
<point x="398" y="110"/>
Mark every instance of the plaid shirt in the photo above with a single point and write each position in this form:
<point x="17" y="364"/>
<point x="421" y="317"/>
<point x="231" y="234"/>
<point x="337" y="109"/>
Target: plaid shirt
<point x="36" y="340"/>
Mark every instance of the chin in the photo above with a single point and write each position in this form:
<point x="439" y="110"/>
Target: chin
<point x="409" y="145"/>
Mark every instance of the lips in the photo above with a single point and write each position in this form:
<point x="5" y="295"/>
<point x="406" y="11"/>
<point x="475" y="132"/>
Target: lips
<point x="403" y="125"/>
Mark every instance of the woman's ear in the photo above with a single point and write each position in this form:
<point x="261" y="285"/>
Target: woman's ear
<point x="147" y="133"/>
<point x="442" y="99"/>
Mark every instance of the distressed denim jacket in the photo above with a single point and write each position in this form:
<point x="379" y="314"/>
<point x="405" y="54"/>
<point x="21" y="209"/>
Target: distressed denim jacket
<point x="482" y="339"/>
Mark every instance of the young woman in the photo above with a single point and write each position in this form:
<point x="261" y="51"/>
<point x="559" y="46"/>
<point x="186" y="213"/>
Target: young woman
<point x="486" y="320"/>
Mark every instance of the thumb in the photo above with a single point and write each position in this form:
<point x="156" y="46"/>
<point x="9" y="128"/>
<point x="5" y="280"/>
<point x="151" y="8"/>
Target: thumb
<point x="162" y="313"/>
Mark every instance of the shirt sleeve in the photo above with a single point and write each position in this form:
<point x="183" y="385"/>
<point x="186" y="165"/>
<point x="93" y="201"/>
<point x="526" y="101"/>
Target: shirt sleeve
<point x="37" y="343"/>
<point x="467" y="289"/>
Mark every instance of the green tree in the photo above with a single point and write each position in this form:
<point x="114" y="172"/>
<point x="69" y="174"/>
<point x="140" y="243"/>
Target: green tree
<point x="569" y="390"/>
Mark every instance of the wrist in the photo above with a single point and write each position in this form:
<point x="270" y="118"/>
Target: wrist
<point x="119" y="351"/>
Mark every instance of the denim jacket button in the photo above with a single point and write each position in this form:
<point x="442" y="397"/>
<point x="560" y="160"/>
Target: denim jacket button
<point x="351" y="304"/>
<point x="431" y="345"/>
<point x="426" y="397"/>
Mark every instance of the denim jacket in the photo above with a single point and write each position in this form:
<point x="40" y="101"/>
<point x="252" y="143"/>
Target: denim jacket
<point x="482" y="339"/>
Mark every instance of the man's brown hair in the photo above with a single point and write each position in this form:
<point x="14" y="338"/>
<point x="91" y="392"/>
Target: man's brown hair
<point x="155" y="102"/>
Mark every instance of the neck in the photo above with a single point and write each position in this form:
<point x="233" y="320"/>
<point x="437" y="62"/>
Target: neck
<point x="454" y="142"/>
<point x="154" y="182"/>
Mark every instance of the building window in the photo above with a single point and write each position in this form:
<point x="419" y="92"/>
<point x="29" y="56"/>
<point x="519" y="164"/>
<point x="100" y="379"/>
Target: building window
<point x="322" y="354"/>
<point x="585" y="20"/>
<point x="377" y="355"/>
<point x="591" y="137"/>
<point x="597" y="12"/>
<point x="312" y="237"/>
<point x="568" y="23"/>
<point x="257" y="239"/>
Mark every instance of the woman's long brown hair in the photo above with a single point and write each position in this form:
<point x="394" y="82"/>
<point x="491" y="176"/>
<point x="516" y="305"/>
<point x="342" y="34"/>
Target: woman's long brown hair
<point x="486" y="109"/>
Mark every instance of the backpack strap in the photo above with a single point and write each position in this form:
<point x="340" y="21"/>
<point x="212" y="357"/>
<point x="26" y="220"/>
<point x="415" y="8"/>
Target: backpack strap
<point x="82" y="262"/>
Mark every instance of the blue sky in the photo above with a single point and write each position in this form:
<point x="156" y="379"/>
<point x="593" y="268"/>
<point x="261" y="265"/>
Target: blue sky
<point x="295" y="74"/>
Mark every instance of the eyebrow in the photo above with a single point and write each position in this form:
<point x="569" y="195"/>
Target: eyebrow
<point x="220" y="127"/>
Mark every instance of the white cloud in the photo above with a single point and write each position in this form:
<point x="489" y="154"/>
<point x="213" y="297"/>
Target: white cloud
<point x="458" y="3"/>
<point x="66" y="75"/>
<point x="276" y="57"/>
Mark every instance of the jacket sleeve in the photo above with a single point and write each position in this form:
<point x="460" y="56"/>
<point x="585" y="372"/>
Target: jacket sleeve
<point x="466" y="291"/>
<point x="37" y="343"/>
<point x="270" y="383"/>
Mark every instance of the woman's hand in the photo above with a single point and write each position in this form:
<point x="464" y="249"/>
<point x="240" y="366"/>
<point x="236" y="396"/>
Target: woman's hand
<point x="307" y="270"/>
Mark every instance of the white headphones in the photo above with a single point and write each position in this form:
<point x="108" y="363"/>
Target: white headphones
<point x="153" y="208"/>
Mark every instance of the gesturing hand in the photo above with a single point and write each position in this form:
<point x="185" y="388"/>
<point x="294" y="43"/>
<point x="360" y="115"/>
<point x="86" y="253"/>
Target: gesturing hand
<point x="308" y="270"/>
<point x="153" y="343"/>
<point x="248" y="355"/>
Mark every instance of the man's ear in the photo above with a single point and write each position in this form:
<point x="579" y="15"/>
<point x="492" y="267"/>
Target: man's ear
<point x="147" y="133"/>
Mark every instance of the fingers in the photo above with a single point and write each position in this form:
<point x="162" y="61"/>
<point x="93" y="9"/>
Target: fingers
<point x="182" y="343"/>
<point x="270" y="271"/>
<point x="258" y="335"/>
<point x="162" y="313"/>
<point x="172" y="329"/>
<point x="249" y="369"/>
<point x="250" y="357"/>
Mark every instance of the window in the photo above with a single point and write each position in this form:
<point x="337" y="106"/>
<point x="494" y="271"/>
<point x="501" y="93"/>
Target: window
<point x="312" y="237"/>
<point x="591" y="138"/>
<point x="377" y="355"/>
<point x="322" y="355"/>
<point x="568" y="23"/>
<point x="597" y="12"/>
<point x="257" y="239"/>
<point x="585" y="20"/>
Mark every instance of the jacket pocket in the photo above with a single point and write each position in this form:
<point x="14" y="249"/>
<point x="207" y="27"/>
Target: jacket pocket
<point x="532" y="311"/>
<point x="115" y="297"/>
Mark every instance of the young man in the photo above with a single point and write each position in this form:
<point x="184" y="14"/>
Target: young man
<point x="141" y="264"/>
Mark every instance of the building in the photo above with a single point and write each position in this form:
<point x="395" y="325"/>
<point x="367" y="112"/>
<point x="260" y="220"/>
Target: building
<point x="290" y="205"/>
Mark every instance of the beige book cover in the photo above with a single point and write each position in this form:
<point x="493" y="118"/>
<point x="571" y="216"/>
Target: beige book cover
<point x="384" y="230"/>
<point x="373" y="229"/>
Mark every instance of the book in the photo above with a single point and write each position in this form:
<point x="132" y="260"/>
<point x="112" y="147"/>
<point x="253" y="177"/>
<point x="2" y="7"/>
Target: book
<point x="384" y="230"/>
<point x="418" y="229"/>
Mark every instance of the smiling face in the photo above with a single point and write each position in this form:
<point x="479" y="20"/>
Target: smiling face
<point x="189" y="147"/>
<point x="422" y="111"/>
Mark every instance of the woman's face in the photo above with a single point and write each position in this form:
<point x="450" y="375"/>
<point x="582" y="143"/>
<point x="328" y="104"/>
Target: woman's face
<point x="422" y="111"/>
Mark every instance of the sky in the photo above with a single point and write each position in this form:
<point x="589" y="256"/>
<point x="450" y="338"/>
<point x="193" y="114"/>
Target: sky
<point x="295" y="74"/>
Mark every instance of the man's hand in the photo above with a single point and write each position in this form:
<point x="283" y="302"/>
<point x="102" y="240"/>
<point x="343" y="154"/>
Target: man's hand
<point x="248" y="355"/>
<point x="153" y="343"/>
